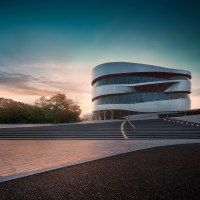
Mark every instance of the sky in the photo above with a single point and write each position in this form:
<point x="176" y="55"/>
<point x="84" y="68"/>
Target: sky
<point x="51" y="46"/>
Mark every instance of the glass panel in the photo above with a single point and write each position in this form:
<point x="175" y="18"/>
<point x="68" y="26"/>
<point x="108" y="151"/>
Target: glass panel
<point x="133" y="80"/>
<point x="139" y="98"/>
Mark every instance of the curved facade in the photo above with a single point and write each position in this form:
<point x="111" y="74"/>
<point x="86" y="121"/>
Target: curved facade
<point x="121" y="87"/>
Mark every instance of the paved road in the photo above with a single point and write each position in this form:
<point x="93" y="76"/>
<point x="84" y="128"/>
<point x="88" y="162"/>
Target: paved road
<point x="161" y="128"/>
<point x="20" y="158"/>
<point x="160" y="173"/>
<point x="141" y="129"/>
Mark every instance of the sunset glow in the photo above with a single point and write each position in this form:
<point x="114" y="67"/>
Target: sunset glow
<point x="52" y="47"/>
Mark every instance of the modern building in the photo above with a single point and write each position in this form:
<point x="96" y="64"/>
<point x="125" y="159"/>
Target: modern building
<point x="122" y="88"/>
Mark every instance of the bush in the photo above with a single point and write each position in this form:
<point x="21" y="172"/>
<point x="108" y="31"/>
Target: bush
<point x="56" y="109"/>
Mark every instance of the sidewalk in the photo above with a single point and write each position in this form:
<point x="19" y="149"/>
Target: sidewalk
<point x="22" y="158"/>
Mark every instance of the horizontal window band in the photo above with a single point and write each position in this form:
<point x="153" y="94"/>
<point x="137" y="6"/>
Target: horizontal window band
<point x="139" y="98"/>
<point x="119" y="94"/>
<point x="131" y="78"/>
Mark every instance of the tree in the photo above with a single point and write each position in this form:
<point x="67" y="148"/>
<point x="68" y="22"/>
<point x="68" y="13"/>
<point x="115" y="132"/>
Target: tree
<point x="13" y="111"/>
<point x="57" y="109"/>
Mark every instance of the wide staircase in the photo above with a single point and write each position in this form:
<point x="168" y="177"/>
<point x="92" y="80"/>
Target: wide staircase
<point x="93" y="131"/>
<point x="140" y="129"/>
<point x="161" y="129"/>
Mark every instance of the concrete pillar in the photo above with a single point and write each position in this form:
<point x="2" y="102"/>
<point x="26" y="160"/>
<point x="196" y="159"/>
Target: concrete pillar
<point x="112" y="114"/>
<point x="95" y="116"/>
<point x="104" y="115"/>
<point x="99" y="115"/>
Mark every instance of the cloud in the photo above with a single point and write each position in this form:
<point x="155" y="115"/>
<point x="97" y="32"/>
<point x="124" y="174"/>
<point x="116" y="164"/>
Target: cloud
<point x="26" y="82"/>
<point x="14" y="78"/>
<point x="19" y="83"/>
<point x="196" y="92"/>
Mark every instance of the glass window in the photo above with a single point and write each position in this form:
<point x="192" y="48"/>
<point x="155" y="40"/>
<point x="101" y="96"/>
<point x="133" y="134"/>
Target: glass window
<point x="133" y="80"/>
<point x="139" y="98"/>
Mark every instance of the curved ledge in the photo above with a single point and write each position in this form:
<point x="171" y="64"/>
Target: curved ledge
<point x="106" y="90"/>
<point x="153" y="106"/>
<point x="123" y="68"/>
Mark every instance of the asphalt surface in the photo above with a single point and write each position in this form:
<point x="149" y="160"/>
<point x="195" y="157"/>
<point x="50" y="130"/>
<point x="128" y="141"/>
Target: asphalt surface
<point x="162" y="129"/>
<point x="170" y="172"/>
<point x="144" y="129"/>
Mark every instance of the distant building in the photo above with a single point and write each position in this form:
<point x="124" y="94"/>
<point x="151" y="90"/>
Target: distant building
<point x="87" y="117"/>
<point x="122" y="88"/>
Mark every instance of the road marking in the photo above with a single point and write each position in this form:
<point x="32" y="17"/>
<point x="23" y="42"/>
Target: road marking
<point x="122" y="130"/>
<point x="131" y="124"/>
